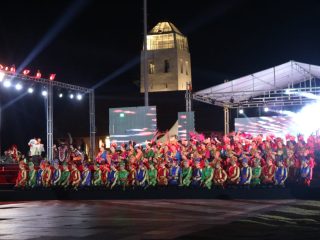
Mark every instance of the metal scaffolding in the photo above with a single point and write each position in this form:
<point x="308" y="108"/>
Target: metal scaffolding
<point x="289" y="84"/>
<point x="49" y="85"/>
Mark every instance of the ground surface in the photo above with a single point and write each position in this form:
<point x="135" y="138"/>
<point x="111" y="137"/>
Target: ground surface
<point x="161" y="219"/>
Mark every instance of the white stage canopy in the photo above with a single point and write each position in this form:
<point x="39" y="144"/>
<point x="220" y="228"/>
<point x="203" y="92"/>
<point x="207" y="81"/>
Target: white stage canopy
<point x="276" y="86"/>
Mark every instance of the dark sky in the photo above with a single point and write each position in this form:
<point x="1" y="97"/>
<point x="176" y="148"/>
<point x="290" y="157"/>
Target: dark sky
<point x="99" y="39"/>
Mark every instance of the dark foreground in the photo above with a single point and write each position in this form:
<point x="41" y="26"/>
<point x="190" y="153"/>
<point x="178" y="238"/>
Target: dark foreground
<point x="161" y="219"/>
<point x="294" y="192"/>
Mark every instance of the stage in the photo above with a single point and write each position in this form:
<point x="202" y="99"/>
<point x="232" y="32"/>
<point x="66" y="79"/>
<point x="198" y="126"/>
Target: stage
<point x="160" y="219"/>
<point x="9" y="194"/>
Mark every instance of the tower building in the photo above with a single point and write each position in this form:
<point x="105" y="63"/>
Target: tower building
<point x="168" y="59"/>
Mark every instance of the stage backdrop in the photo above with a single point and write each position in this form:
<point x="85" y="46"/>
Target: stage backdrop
<point x="185" y="124"/>
<point x="277" y="125"/>
<point x="132" y="123"/>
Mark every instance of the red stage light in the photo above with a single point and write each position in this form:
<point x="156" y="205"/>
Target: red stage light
<point x="13" y="69"/>
<point x="26" y="72"/>
<point x="38" y="75"/>
<point x="1" y="66"/>
<point x="6" y="69"/>
<point x="52" y="76"/>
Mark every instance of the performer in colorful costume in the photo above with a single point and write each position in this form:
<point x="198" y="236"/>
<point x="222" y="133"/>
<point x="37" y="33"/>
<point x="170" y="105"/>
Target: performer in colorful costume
<point x="40" y="173"/>
<point x="197" y="173"/>
<point x="112" y="177"/>
<point x="132" y="175"/>
<point x="305" y="177"/>
<point x="233" y="171"/>
<point x="162" y="174"/>
<point x="101" y="156"/>
<point x="141" y="177"/>
<point x="256" y="173"/>
<point x="280" y="174"/>
<point x="268" y="172"/>
<point x="32" y="176"/>
<point x="219" y="175"/>
<point x="65" y="176"/>
<point x="22" y="176"/>
<point x="85" y="176"/>
<point x="123" y="175"/>
<point x="152" y="175"/>
<point x="245" y="173"/>
<point x="174" y="174"/>
<point x="186" y="174"/>
<point x="96" y="181"/>
<point x="75" y="177"/>
<point x="56" y="173"/>
<point x="207" y="175"/>
<point x="46" y="176"/>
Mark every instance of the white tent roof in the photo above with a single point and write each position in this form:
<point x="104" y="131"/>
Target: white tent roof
<point x="279" y="77"/>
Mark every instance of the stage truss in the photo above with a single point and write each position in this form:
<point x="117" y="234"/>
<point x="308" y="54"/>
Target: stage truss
<point x="289" y="84"/>
<point x="49" y="85"/>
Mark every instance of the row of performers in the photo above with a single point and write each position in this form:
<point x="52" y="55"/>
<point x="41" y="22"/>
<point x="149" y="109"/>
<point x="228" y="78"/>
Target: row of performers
<point x="148" y="175"/>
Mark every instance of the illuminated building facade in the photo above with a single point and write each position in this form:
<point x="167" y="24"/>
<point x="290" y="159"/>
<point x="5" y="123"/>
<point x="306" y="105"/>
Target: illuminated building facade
<point x="168" y="59"/>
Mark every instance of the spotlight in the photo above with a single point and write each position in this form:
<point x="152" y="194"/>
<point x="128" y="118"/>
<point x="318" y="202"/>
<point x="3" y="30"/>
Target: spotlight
<point x="241" y="111"/>
<point x="38" y="74"/>
<point x="2" y="75"/>
<point x="266" y="109"/>
<point x="71" y="96"/>
<point x="79" y="97"/>
<point x="13" y="69"/>
<point x="44" y="93"/>
<point x="7" y="83"/>
<point x="18" y="86"/>
<point x="30" y="90"/>
<point x="288" y="91"/>
<point x="52" y="76"/>
<point x="26" y="72"/>
<point x="60" y="95"/>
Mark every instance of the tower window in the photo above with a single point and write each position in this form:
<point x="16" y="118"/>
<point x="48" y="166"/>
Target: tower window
<point x="181" y="66"/>
<point x="187" y="67"/>
<point x="166" y="66"/>
<point x="151" y="68"/>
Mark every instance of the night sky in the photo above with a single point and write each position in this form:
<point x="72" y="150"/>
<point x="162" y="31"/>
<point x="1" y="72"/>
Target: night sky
<point x="100" y="42"/>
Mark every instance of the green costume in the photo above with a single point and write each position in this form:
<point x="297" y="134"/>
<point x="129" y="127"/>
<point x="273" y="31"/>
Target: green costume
<point x="64" y="180"/>
<point x="186" y="176"/>
<point x="256" y="172"/>
<point x="32" y="177"/>
<point x="96" y="181"/>
<point x="207" y="175"/>
<point x="152" y="177"/>
<point x="123" y="177"/>
<point x="149" y="154"/>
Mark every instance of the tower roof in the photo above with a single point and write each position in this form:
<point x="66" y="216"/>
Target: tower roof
<point x="164" y="27"/>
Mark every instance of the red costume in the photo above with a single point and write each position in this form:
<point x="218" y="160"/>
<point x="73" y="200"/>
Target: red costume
<point x="233" y="174"/>
<point x="163" y="174"/>
<point x="268" y="173"/>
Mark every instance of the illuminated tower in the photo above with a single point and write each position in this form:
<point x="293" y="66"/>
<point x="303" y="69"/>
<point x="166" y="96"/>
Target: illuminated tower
<point x="168" y="59"/>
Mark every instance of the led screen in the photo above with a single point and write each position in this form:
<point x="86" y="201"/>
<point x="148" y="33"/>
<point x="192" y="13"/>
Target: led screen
<point x="185" y="124"/>
<point x="137" y="124"/>
<point x="277" y="125"/>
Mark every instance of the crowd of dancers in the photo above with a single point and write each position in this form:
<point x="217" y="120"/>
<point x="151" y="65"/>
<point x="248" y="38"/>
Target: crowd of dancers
<point x="235" y="160"/>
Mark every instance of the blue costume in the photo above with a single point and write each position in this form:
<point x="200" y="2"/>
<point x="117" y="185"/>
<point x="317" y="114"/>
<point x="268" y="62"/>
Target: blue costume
<point x="56" y="176"/>
<point x="280" y="175"/>
<point x="174" y="175"/>
<point x="86" y="178"/>
<point x="196" y="177"/>
<point x="111" y="176"/>
<point x="305" y="177"/>
<point x="245" y="175"/>
<point x="39" y="177"/>
<point x="141" y="175"/>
